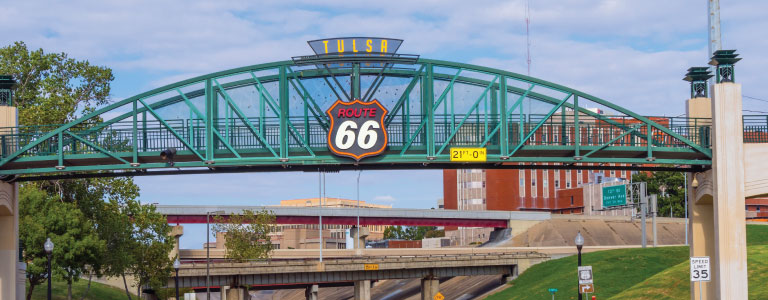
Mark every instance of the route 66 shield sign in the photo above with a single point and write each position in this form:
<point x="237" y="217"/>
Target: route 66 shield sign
<point x="357" y="129"/>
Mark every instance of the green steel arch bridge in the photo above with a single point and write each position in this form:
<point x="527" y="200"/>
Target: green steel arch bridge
<point x="271" y="116"/>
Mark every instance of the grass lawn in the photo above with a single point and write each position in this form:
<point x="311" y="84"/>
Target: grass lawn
<point x="651" y="273"/>
<point x="59" y="291"/>
<point x="673" y="283"/>
<point x="623" y="268"/>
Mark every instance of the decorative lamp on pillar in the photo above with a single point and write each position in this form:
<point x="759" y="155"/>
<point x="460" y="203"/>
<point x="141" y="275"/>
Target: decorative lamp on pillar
<point x="48" y="247"/>
<point x="723" y="60"/>
<point x="698" y="77"/>
<point x="6" y="90"/>
<point x="579" y="241"/>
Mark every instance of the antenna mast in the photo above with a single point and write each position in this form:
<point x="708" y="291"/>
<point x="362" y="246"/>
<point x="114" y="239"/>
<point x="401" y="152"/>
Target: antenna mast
<point x="714" y="27"/>
<point x="528" y="34"/>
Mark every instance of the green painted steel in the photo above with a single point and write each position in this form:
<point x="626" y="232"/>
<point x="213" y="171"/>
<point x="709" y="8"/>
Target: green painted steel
<point x="273" y="114"/>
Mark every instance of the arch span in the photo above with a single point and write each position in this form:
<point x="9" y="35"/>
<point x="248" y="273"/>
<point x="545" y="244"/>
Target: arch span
<point x="272" y="117"/>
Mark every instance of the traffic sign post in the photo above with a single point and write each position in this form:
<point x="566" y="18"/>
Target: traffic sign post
<point x="700" y="270"/>
<point x="585" y="275"/>
<point x="553" y="291"/>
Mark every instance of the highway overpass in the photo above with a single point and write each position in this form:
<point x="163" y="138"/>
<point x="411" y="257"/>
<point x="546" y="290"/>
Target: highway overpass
<point x="186" y="214"/>
<point x="361" y="270"/>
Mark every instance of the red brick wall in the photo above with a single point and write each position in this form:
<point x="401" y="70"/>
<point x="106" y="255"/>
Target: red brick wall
<point x="501" y="189"/>
<point x="449" y="189"/>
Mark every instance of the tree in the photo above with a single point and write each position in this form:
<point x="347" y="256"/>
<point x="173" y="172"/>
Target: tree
<point x="150" y="246"/>
<point x="247" y="234"/>
<point x="76" y="243"/>
<point x="670" y="190"/>
<point x="412" y="232"/>
<point x="55" y="89"/>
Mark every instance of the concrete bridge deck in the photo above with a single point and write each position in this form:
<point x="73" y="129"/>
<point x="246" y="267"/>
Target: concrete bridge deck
<point x="188" y="214"/>
<point x="310" y="272"/>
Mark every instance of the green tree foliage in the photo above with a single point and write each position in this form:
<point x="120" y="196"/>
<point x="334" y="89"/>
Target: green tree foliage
<point x="53" y="88"/>
<point x="149" y="246"/>
<point x="76" y="244"/>
<point x="412" y="232"/>
<point x="669" y="188"/>
<point x="246" y="235"/>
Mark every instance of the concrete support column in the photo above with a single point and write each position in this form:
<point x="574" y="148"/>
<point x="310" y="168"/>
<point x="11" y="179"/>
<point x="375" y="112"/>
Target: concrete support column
<point x="701" y="227"/>
<point x="700" y="195"/>
<point x="176" y="232"/>
<point x="238" y="293"/>
<point x="311" y="292"/>
<point x="9" y="240"/>
<point x="9" y="223"/>
<point x="223" y="292"/>
<point x="730" y="260"/>
<point x="429" y="288"/>
<point x="363" y="290"/>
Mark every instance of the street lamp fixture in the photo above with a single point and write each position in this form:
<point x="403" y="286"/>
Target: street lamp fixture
<point x="48" y="246"/>
<point x="579" y="241"/>
<point x="176" y="265"/>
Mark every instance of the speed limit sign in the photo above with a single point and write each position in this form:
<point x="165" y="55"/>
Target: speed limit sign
<point x="700" y="268"/>
<point x="357" y="129"/>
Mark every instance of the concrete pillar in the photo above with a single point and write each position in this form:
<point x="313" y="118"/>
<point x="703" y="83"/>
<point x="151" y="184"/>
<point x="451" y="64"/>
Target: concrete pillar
<point x="21" y="280"/>
<point x="363" y="290"/>
<point x="429" y="288"/>
<point x="701" y="227"/>
<point x="364" y="232"/>
<point x="223" y="292"/>
<point x="311" y="292"/>
<point x="730" y="260"/>
<point x="700" y="210"/>
<point x="176" y="232"/>
<point x="9" y="223"/>
<point x="238" y="293"/>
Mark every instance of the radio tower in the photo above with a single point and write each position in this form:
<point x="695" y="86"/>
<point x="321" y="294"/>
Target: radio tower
<point x="714" y="27"/>
<point x="528" y="34"/>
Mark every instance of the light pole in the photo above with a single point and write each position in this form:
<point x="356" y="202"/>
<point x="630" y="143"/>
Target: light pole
<point x="48" y="246"/>
<point x="176" y="265"/>
<point x="579" y="241"/>
<point x="358" y="209"/>
<point x="208" y="252"/>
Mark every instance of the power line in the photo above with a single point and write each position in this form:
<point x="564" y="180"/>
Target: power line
<point x="755" y="111"/>
<point x="753" y="98"/>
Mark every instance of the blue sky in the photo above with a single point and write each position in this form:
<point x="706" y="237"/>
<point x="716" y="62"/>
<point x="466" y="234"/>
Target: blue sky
<point x="633" y="53"/>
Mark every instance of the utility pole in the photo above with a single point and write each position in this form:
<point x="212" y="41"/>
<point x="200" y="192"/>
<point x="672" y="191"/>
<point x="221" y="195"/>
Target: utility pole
<point x="643" y="210"/>
<point x="654" y="207"/>
<point x="713" y="21"/>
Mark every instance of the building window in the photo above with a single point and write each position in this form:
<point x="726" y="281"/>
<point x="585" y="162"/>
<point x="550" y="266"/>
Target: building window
<point x="571" y="200"/>
<point x="557" y="183"/>
<point x="522" y="183"/>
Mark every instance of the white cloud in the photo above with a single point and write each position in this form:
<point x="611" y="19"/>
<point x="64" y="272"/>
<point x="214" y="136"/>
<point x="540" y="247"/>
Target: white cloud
<point x="384" y="198"/>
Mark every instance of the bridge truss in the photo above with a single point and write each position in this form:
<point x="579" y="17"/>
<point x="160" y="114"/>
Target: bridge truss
<point x="272" y="117"/>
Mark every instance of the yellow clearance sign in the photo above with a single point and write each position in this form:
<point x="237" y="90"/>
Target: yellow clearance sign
<point x="370" y="267"/>
<point x="468" y="154"/>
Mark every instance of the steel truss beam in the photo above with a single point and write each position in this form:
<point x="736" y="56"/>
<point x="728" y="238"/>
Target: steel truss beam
<point x="38" y="151"/>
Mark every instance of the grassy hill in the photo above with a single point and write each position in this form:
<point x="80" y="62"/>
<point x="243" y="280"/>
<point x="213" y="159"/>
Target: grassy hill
<point x="59" y="291"/>
<point x="651" y="273"/>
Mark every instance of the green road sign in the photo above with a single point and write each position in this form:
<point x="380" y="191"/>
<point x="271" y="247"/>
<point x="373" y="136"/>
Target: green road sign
<point x="614" y="195"/>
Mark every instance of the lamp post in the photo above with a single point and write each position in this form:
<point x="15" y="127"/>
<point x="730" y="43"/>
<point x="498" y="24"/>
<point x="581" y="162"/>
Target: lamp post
<point x="48" y="246"/>
<point x="358" y="209"/>
<point x="208" y="252"/>
<point x="176" y="265"/>
<point x="579" y="241"/>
